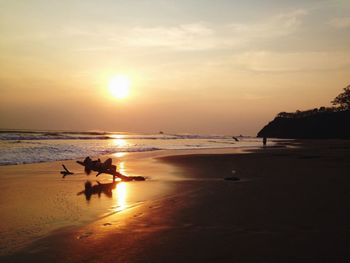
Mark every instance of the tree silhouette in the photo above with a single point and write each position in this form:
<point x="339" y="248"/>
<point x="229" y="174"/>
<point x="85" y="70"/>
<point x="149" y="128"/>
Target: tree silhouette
<point x="343" y="99"/>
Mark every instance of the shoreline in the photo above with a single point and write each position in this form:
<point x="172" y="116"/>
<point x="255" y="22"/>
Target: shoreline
<point x="16" y="180"/>
<point x="147" y="154"/>
<point x="196" y="177"/>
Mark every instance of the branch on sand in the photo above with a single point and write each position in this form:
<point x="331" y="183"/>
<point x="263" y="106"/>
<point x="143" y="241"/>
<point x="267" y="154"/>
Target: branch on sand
<point x="106" y="167"/>
<point x="65" y="172"/>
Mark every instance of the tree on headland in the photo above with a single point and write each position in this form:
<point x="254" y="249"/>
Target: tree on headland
<point x="318" y="123"/>
<point x="343" y="99"/>
<point x="341" y="103"/>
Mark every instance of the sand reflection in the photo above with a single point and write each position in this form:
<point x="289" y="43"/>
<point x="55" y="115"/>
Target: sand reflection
<point x="119" y="154"/>
<point x="120" y="196"/>
<point x="121" y="190"/>
<point x="98" y="189"/>
<point x="122" y="169"/>
<point x="116" y="190"/>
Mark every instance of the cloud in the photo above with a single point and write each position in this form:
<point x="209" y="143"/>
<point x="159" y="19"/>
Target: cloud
<point x="197" y="36"/>
<point x="263" y="61"/>
<point x="201" y="36"/>
<point x="340" y="22"/>
<point x="187" y="37"/>
<point x="279" y="25"/>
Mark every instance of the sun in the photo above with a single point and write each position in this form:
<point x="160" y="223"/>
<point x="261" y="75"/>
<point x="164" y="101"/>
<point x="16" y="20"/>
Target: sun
<point x="119" y="86"/>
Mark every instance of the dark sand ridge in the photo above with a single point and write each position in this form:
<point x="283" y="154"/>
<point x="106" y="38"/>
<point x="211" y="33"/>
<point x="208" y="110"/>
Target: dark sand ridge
<point x="291" y="205"/>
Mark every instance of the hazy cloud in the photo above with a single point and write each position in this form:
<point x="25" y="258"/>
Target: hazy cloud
<point x="340" y="22"/>
<point x="187" y="37"/>
<point x="184" y="37"/>
<point x="200" y="36"/>
<point x="263" y="61"/>
<point x="276" y="26"/>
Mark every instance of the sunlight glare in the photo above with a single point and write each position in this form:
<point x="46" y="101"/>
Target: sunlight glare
<point x="119" y="86"/>
<point x="121" y="196"/>
<point x="119" y="154"/>
<point x="120" y="143"/>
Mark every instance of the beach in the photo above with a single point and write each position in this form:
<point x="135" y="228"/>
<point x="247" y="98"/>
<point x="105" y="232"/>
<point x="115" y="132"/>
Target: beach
<point x="175" y="131"/>
<point x="291" y="204"/>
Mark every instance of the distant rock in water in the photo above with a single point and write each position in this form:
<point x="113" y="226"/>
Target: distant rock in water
<point x="313" y="124"/>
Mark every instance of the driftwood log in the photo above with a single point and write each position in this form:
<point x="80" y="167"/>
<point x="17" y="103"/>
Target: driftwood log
<point x="106" y="167"/>
<point x="65" y="172"/>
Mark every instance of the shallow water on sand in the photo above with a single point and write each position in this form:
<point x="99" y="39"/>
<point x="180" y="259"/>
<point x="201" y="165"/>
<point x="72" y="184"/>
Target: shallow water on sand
<point x="35" y="200"/>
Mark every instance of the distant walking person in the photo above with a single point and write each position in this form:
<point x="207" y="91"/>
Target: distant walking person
<point x="264" y="141"/>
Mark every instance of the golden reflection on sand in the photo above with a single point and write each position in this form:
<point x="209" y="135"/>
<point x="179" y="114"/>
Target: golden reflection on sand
<point x="119" y="155"/>
<point x="120" y="194"/>
<point x="121" y="168"/>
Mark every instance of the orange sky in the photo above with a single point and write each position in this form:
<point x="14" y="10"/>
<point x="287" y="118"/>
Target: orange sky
<point x="225" y="67"/>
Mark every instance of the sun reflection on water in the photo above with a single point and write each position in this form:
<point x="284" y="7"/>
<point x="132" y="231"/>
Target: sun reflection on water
<point x="119" y="142"/>
<point x="122" y="169"/>
<point x="121" y="190"/>
<point x="121" y="193"/>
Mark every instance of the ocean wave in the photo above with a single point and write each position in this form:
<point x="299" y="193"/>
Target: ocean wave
<point x="55" y="153"/>
<point x="89" y="136"/>
<point x="22" y="137"/>
<point x="45" y="146"/>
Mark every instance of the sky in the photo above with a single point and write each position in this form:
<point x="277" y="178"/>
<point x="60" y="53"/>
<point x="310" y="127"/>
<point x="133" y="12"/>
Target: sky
<point x="209" y="67"/>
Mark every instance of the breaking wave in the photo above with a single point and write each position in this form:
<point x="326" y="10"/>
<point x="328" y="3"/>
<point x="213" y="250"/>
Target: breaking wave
<point x="20" y="147"/>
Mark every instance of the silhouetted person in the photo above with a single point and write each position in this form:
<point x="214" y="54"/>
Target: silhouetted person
<point x="264" y="141"/>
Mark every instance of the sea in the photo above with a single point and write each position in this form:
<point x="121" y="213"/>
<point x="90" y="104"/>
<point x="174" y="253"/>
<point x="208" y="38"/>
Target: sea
<point x="31" y="146"/>
<point x="51" y="202"/>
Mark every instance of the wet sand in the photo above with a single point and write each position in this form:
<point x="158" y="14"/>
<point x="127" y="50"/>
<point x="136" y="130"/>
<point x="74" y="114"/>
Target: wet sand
<point x="290" y="205"/>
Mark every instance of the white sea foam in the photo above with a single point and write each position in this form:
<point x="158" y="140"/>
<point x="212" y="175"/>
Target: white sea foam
<point x="18" y="147"/>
